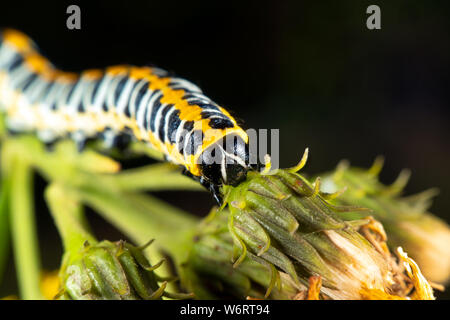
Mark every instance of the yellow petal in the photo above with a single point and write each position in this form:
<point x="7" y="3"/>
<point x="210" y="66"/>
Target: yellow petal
<point x="423" y="291"/>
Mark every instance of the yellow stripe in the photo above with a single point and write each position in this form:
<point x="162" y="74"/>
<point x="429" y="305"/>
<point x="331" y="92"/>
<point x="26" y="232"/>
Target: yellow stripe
<point x="187" y="112"/>
<point x="18" y="40"/>
<point x="92" y="74"/>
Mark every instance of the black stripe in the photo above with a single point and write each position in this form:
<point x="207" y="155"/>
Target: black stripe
<point x="27" y="82"/>
<point x="202" y="104"/>
<point x="155" y="109"/>
<point x="96" y="86"/>
<point x="195" y="141"/>
<point x="162" y="123"/>
<point x="40" y="92"/>
<point x="47" y="90"/>
<point x="209" y="114"/>
<point x="18" y="60"/>
<point x="178" y="86"/>
<point x="80" y="107"/>
<point x="139" y="97"/>
<point x="127" y="111"/>
<point x="220" y="123"/>
<point x="119" y="90"/>
<point x="192" y="95"/>
<point x="69" y="96"/>
<point x="53" y="103"/>
<point x="207" y="106"/>
<point x="55" y="98"/>
<point x="187" y="127"/>
<point x="173" y="124"/>
<point x="146" y="120"/>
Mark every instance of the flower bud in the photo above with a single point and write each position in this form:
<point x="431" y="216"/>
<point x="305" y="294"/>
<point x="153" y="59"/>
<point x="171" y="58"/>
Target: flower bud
<point x="212" y="275"/>
<point x="283" y="220"/>
<point x="110" y="270"/>
<point x="406" y="220"/>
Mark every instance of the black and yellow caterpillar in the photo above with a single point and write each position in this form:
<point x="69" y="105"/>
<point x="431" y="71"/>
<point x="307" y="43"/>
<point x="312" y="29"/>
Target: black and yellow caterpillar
<point x="144" y="103"/>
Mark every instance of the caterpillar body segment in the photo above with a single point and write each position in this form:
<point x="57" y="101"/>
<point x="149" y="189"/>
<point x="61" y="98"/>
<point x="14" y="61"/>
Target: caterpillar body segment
<point x="171" y="114"/>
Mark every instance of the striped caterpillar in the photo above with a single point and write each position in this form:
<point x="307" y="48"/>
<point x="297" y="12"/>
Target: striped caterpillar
<point x="144" y="103"/>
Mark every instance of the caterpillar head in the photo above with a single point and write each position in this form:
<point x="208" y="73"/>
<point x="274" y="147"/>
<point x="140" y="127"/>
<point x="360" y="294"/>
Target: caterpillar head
<point x="226" y="161"/>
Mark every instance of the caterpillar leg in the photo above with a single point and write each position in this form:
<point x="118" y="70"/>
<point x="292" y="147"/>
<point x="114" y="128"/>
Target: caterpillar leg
<point x="213" y="188"/>
<point x="115" y="139"/>
<point x="12" y="132"/>
<point x="50" y="145"/>
<point x="49" y="139"/>
<point x="81" y="140"/>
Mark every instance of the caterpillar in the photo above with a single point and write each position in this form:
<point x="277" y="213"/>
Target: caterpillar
<point x="170" y="114"/>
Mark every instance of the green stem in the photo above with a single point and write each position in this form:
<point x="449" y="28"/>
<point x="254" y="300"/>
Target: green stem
<point x="4" y="223"/>
<point x="66" y="165"/>
<point x="142" y="217"/>
<point x="23" y="227"/>
<point x="139" y="217"/>
<point x="69" y="218"/>
<point x="155" y="177"/>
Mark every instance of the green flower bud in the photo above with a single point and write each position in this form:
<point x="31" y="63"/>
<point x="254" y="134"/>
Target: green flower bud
<point x="406" y="220"/>
<point x="283" y="220"/>
<point x="110" y="271"/>
<point x="212" y="275"/>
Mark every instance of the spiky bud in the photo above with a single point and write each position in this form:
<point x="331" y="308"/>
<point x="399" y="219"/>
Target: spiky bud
<point x="212" y="275"/>
<point x="406" y="220"/>
<point x="110" y="271"/>
<point x="282" y="219"/>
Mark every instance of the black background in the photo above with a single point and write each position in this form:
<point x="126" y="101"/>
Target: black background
<point x="310" y="68"/>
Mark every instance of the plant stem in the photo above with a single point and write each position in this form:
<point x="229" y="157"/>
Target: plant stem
<point x="69" y="166"/>
<point x="23" y="227"/>
<point x="4" y="223"/>
<point x="69" y="218"/>
<point x="142" y="217"/>
<point x="81" y="177"/>
<point x="155" y="177"/>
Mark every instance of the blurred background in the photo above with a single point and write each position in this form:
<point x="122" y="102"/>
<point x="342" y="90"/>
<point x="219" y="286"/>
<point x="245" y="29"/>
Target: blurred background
<point x="311" y="69"/>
